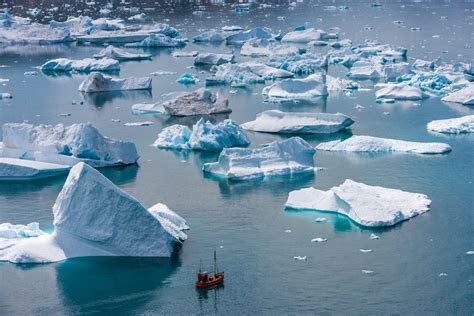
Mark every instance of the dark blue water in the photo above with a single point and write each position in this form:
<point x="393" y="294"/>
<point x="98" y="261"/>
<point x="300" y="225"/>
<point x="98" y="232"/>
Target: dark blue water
<point x="246" y="221"/>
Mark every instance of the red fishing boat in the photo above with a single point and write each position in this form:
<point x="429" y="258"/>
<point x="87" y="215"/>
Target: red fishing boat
<point x="204" y="280"/>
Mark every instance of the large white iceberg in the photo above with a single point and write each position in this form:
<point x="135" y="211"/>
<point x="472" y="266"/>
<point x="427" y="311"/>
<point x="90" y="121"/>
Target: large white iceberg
<point x="287" y="157"/>
<point x="65" y="145"/>
<point x="366" y="205"/>
<point x="275" y="121"/>
<point x="120" y="54"/>
<point x="307" y="35"/>
<point x="295" y="89"/>
<point x="199" y="102"/>
<point x="464" y="96"/>
<point x="83" y="65"/>
<point x="377" y="144"/>
<point x="204" y="136"/>
<point x="464" y="124"/>
<point x="243" y="36"/>
<point x="93" y="217"/>
<point x="12" y="169"/>
<point x="400" y="91"/>
<point x="213" y="59"/>
<point x="97" y="82"/>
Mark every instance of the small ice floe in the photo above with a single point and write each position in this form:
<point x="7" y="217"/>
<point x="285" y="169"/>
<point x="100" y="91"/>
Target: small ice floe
<point x="162" y="73"/>
<point x="376" y="144"/>
<point x="260" y="47"/>
<point x="243" y="36"/>
<point x="366" y="205"/>
<point x="204" y="136"/>
<point x="158" y="40"/>
<point x="308" y="35"/>
<point x="213" y="59"/>
<point x="287" y="157"/>
<point x="211" y="36"/>
<point x="464" y="124"/>
<point x="134" y="124"/>
<point x="442" y="274"/>
<point x="12" y="169"/>
<point x="276" y="121"/>
<point x="365" y="250"/>
<point x="359" y="107"/>
<point x="319" y="239"/>
<point x="386" y="113"/>
<point x="64" y="114"/>
<point x="120" y="54"/>
<point x="373" y="236"/>
<point x="199" y="102"/>
<point x="115" y="120"/>
<point x="383" y="100"/>
<point x="10" y="231"/>
<point x="187" y="78"/>
<point x="400" y="91"/>
<point x="367" y="271"/>
<point x="147" y="108"/>
<point x="97" y="82"/>
<point x="300" y="258"/>
<point x="464" y="96"/>
<point x="83" y="65"/>
<point x="470" y="252"/>
<point x="245" y="73"/>
<point x="30" y="73"/>
<point x="320" y="219"/>
<point x="192" y="53"/>
<point x="5" y="95"/>
<point x="296" y="89"/>
<point x="288" y="231"/>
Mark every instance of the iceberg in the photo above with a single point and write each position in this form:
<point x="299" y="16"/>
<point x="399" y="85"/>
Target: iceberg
<point x="93" y="217"/>
<point x="158" y="40"/>
<point x="275" y="121"/>
<point x="287" y="157"/>
<point x="144" y="108"/>
<point x="267" y="72"/>
<point x="307" y="35"/>
<point x="296" y="89"/>
<point x="464" y="96"/>
<point x="120" y="54"/>
<point x="364" y="70"/>
<point x="393" y="71"/>
<point x="97" y="82"/>
<point x="187" y="78"/>
<point x="260" y="47"/>
<point x="199" y="102"/>
<point x="65" y="145"/>
<point x="83" y="65"/>
<point x="12" y="169"/>
<point x="340" y="84"/>
<point x="300" y="64"/>
<point x="400" y="91"/>
<point x="204" y="136"/>
<point x="243" y="36"/>
<point x="10" y="231"/>
<point x="366" y="205"/>
<point x="210" y="36"/>
<point x="377" y="144"/>
<point x="213" y="59"/>
<point x="464" y="124"/>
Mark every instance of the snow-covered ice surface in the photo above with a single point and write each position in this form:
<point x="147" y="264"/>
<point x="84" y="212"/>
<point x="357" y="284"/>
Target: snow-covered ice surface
<point x="464" y="124"/>
<point x="158" y="40"/>
<point x="464" y="96"/>
<point x="275" y="121"/>
<point x="377" y="144"/>
<point x="366" y="205"/>
<point x="199" y="102"/>
<point x="296" y="89"/>
<point x="256" y="33"/>
<point x="10" y="231"/>
<point x="213" y="59"/>
<point x="399" y="91"/>
<point x="212" y="36"/>
<point x="65" y="145"/>
<point x="97" y="82"/>
<point x="287" y="157"/>
<point x="84" y="65"/>
<point x="120" y="54"/>
<point x="307" y="35"/>
<point x="93" y="217"/>
<point x="12" y="169"/>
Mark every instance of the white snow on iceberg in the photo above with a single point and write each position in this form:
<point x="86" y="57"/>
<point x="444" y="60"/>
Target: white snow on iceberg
<point x="213" y="59"/>
<point x="275" y="121"/>
<point x="464" y="96"/>
<point x="307" y="35"/>
<point x="12" y="169"/>
<point x="199" y="102"/>
<point x="287" y="157"/>
<point x="464" y="124"/>
<point x="159" y="40"/>
<point x="366" y="205"/>
<point x="10" y="231"/>
<point x="93" y="217"/>
<point x="212" y="36"/>
<point x="97" y="82"/>
<point x="83" y="65"/>
<point x="243" y="36"/>
<point x="400" y="91"/>
<point x="120" y="54"/>
<point x="377" y="144"/>
<point x="245" y="73"/>
<point x="296" y="89"/>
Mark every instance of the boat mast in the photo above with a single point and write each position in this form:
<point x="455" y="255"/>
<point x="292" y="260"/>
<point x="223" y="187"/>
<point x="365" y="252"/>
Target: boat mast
<point x="215" y="262"/>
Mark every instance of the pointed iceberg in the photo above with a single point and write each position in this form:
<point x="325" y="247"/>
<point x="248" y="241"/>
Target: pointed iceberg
<point x="97" y="82"/>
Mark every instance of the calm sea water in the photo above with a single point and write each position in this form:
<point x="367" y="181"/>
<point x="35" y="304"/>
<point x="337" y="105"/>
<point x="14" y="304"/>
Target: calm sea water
<point x="246" y="221"/>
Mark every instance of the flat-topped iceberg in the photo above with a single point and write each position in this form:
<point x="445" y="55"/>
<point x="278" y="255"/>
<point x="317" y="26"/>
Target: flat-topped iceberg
<point x="12" y="169"/>
<point x="212" y="36"/>
<point x="243" y="36"/>
<point x="377" y="144"/>
<point x="204" y="136"/>
<point x="366" y="205"/>
<point x="120" y="54"/>
<point x="464" y="124"/>
<point x="65" y="145"/>
<point x="296" y="89"/>
<point x="275" y="121"/>
<point x="97" y="82"/>
<point x="159" y="40"/>
<point x="199" y="102"/>
<point x="83" y="65"/>
<point x="213" y="59"/>
<point x="93" y="217"/>
<point x="464" y="96"/>
<point x="259" y="47"/>
<point x="400" y="91"/>
<point x="287" y="157"/>
<point x="365" y="70"/>
<point x="307" y="35"/>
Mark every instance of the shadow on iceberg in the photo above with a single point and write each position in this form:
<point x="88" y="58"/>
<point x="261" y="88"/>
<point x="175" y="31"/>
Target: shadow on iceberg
<point x="99" y="99"/>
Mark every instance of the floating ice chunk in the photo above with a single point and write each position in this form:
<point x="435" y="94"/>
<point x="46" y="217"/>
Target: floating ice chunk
<point x="423" y="64"/>
<point x="307" y="35"/>
<point x="373" y="236"/>
<point x="10" y="231"/>
<point x="241" y="37"/>
<point x="199" y="102"/>
<point x="231" y="28"/>
<point x="464" y="124"/>
<point x="29" y="73"/>
<point x="259" y="47"/>
<point x="364" y="70"/>
<point x="267" y="72"/>
<point x="367" y="271"/>
<point x="97" y="82"/>
<point x="135" y="124"/>
<point x="93" y="217"/>
<point x="275" y="121"/>
<point x="400" y="91"/>
<point x="320" y="219"/>
<point x="295" y="89"/>
<point x="288" y="231"/>
<point x="204" y="136"/>
<point x="470" y="252"/>
<point x="287" y="157"/>
<point x="210" y="36"/>
<point x="144" y="108"/>
<point x="393" y="71"/>
<point x="5" y="95"/>
<point x="442" y="274"/>
<point x="159" y="40"/>
<point x="162" y="73"/>
<point x="83" y="65"/>
<point x="319" y="239"/>
<point x="342" y="43"/>
<point x="12" y="169"/>
<point x="234" y="74"/>
<point x="15" y="32"/>
<point x="66" y="145"/>
<point x="187" y="78"/>
<point x="120" y="54"/>
<point x="365" y="250"/>
<point x="300" y="258"/>
<point x="377" y="144"/>
<point x="366" y="205"/>
<point x="192" y="53"/>
<point x="300" y="64"/>
<point x="213" y="59"/>
<point x="464" y="96"/>
<point x="340" y="84"/>
<point x="139" y="18"/>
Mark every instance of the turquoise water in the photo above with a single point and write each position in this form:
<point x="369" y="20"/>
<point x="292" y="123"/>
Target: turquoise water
<point x="246" y="221"/>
